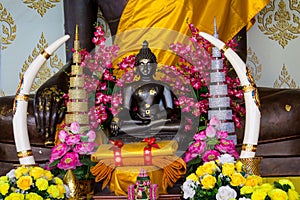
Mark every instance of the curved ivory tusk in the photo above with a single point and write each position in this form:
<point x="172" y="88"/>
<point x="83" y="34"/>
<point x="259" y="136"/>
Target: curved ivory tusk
<point x="252" y="111"/>
<point x="21" y="103"/>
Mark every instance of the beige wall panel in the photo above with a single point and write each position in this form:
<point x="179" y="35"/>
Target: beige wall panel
<point x="35" y="28"/>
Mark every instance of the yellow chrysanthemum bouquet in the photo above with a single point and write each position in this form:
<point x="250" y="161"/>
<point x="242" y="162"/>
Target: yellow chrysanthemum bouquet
<point x="32" y="182"/>
<point x="226" y="179"/>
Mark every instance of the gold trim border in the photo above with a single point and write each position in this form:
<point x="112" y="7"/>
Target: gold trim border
<point x="24" y="154"/>
<point x="249" y="147"/>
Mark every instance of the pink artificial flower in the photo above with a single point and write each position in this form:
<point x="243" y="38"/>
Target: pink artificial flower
<point x="211" y="131"/>
<point x="72" y="139"/>
<point x="99" y="32"/>
<point x="225" y="145"/>
<point x="84" y="148"/>
<point x="189" y="156"/>
<point x="69" y="161"/>
<point x="58" y="151"/>
<point x="222" y="134"/>
<point x="62" y="134"/>
<point x="200" y="136"/>
<point x="91" y="136"/>
<point x="234" y="153"/>
<point x="214" y="122"/>
<point x="210" y="155"/>
<point x="197" y="147"/>
<point x="75" y="127"/>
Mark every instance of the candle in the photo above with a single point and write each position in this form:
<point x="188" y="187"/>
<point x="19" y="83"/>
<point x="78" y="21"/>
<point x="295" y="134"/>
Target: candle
<point x="21" y="103"/>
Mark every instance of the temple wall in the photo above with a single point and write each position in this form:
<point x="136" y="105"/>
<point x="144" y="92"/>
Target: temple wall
<point x="274" y="45"/>
<point x="26" y="28"/>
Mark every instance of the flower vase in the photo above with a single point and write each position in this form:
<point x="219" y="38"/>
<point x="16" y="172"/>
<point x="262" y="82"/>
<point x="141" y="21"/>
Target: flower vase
<point x="252" y="165"/>
<point x="79" y="189"/>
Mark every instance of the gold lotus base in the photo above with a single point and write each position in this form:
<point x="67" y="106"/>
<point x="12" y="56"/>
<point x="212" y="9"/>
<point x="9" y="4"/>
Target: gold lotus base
<point x="79" y="189"/>
<point x="252" y="165"/>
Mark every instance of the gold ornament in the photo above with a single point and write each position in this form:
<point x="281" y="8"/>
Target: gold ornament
<point x="78" y="94"/>
<point x="285" y="79"/>
<point x="249" y="147"/>
<point x="8" y="27"/>
<point x="24" y="154"/>
<point x="253" y="64"/>
<point x="79" y="189"/>
<point x="279" y="22"/>
<point x="251" y="165"/>
<point x="76" y="70"/>
<point x="288" y="107"/>
<point x="41" y="6"/>
<point x="252" y="88"/>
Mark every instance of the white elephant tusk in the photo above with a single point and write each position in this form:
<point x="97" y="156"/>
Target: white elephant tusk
<point x="21" y="103"/>
<point x="252" y="109"/>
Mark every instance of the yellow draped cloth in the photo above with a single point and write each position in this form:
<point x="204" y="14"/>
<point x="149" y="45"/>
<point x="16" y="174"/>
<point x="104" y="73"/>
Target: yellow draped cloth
<point x="164" y="22"/>
<point x="165" y="170"/>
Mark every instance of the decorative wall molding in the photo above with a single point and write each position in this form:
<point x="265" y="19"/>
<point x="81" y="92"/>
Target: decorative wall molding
<point x="9" y="28"/>
<point x="253" y="65"/>
<point x="41" y="6"/>
<point x="285" y="80"/>
<point x="45" y="71"/>
<point x="279" y="22"/>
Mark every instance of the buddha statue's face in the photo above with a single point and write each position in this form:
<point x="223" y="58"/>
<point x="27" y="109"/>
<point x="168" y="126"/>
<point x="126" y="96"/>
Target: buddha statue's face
<point x="146" y="68"/>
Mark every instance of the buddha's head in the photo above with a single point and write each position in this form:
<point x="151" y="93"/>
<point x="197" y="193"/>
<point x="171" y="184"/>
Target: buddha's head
<point x="145" y="61"/>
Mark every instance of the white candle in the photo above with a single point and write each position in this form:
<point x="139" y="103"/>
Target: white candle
<point x="252" y="111"/>
<point x="21" y="103"/>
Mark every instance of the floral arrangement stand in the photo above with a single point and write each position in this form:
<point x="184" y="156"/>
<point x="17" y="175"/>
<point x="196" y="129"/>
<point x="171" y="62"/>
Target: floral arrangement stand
<point x="70" y="157"/>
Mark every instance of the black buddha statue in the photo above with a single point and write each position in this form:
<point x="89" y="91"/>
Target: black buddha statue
<point x="148" y="104"/>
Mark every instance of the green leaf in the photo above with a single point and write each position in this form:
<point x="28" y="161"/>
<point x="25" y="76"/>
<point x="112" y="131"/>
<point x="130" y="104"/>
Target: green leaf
<point x="286" y="187"/>
<point x="212" y="141"/>
<point x="87" y="161"/>
<point x="53" y="164"/>
<point x="267" y="198"/>
<point x="197" y="160"/>
<point x="278" y="185"/>
<point x="201" y="128"/>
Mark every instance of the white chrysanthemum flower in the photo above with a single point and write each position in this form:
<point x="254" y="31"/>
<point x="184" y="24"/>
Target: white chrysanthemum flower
<point x="188" y="189"/>
<point x="226" y="158"/>
<point x="11" y="174"/>
<point x="226" y="193"/>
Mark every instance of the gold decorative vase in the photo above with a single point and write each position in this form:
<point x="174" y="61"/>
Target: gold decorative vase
<point x="79" y="189"/>
<point x="252" y="165"/>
